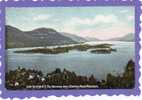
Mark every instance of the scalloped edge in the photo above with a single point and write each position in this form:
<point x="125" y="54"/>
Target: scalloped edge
<point x="84" y="92"/>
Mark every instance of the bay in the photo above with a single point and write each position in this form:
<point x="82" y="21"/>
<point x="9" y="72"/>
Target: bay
<point x="81" y="62"/>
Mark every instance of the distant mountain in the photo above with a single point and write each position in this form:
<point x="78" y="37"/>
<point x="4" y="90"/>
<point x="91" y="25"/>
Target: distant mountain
<point x="129" y="38"/>
<point x="37" y="37"/>
<point x="91" y="39"/>
<point x="74" y="37"/>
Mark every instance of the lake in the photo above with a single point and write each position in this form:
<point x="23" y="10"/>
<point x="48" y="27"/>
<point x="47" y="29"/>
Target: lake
<point x="81" y="62"/>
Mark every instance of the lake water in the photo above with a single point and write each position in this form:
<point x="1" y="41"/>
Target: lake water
<point x="81" y="62"/>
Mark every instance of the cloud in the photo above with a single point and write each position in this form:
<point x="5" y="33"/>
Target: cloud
<point x="76" y="24"/>
<point x="123" y="11"/>
<point x="103" y="32"/>
<point x="89" y="26"/>
<point x="106" y="19"/>
<point x="41" y="17"/>
<point x="99" y="19"/>
<point x="130" y="18"/>
<point x="109" y="32"/>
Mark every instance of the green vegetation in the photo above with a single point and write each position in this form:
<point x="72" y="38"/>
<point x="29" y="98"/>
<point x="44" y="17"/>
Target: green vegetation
<point x="127" y="80"/>
<point x="103" y="51"/>
<point x="24" y="78"/>
<point x="57" y="50"/>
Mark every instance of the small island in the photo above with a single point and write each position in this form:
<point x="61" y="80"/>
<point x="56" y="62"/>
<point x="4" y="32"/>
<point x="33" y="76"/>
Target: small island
<point x="105" y="48"/>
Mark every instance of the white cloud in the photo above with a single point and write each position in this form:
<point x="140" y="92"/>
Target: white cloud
<point x="106" y="19"/>
<point x="41" y="17"/>
<point x="118" y="30"/>
<point x="111" y="27"/>
<point x="106" y="32"/>
<point x="99" y="19"/>
<point x="76" y="22"/>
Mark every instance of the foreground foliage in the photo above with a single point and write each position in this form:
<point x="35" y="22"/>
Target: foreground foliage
<point x="24" y="78"/>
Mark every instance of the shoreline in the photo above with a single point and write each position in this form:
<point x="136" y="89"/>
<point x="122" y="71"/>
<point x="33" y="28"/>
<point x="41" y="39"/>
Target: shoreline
<point x="101" y="48"/>
<point x="96" y="42"/>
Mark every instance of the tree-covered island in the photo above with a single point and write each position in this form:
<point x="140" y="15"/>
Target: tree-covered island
<point x="99" y="48"/>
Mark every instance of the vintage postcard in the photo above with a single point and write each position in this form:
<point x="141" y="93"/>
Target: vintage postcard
<point x="69" y="47"/>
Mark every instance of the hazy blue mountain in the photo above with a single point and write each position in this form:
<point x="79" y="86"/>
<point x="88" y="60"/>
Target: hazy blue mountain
<point x="91" y="39"/>
<point x="74" y="37"/>
<point x="37" y="37"/>
<point x="129" y="38"/>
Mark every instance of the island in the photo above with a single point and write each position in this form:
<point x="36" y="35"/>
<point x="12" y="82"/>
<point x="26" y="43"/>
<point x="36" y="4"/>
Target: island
<point x="102" y="48"/>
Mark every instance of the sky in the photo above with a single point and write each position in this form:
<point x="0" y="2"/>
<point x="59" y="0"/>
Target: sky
<point x="98" y="22"/>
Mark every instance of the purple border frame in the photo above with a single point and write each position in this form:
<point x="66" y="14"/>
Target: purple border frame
<point x="68" y="3"/>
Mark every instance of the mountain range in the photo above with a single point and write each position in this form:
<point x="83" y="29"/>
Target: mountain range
<point x="74" y="37"/>
<point x="16" y="38"/>
<point x="129" y="38"/>
<point x="39" y="37"/>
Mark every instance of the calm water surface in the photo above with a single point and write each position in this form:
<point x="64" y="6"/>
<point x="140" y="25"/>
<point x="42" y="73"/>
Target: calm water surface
<point x="83" y="63"/>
